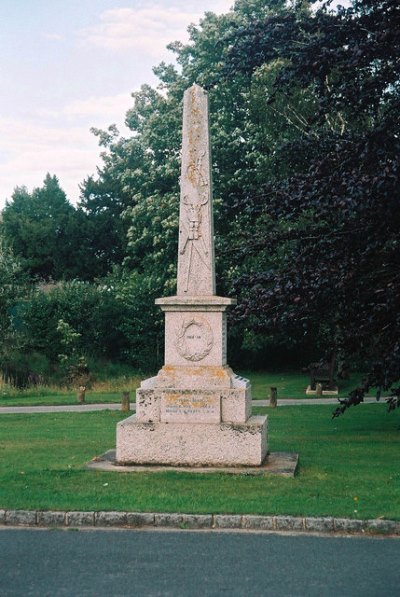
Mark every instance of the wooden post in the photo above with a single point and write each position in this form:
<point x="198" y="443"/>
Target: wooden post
<point x="81" y="394"/>
<point x="125" y="405"/>
<point x="273" y="397"/>
<point x="318" y="387"/>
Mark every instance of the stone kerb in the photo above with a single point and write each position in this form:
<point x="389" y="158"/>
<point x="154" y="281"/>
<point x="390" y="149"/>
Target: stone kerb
<point x="212" y="522"/>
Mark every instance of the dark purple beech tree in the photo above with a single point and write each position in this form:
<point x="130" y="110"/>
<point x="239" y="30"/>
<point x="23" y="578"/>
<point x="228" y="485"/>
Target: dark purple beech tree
<point x="322" y="246"/>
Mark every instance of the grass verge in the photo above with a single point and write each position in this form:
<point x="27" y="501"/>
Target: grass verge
<point x="348" y="468"/>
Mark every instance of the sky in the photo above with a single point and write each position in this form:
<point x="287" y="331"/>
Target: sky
<point x="69" y="65"/>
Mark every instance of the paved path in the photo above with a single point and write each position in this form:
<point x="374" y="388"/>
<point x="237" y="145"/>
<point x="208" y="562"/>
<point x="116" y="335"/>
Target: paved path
<point x="106" y="563"/>
<point x="115" y="406"/>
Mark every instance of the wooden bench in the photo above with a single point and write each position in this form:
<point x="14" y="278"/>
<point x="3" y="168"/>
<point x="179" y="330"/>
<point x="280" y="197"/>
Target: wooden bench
<point x="323" y="373"/>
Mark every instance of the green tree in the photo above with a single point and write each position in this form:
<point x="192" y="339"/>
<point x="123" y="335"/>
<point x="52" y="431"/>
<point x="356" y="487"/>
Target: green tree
<point x="141" y="173"/>
<point x="324" y="251"/>
<point x="16" y="362"/>
<point x="40" y="229"/>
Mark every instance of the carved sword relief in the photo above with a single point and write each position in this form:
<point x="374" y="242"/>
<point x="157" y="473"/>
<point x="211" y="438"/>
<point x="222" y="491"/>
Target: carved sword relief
<point x="194" y="240"/>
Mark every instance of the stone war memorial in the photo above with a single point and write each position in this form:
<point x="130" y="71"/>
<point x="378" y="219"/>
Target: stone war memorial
<point x="195" y="411"/>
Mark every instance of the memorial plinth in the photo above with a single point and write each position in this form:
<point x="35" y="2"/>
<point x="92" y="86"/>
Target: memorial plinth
<point x="196" y="411"/>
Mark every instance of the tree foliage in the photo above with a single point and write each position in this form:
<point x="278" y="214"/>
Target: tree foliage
<point x="328" y="233"/>
<point x="139" y="176"/>
<point x="39" y="228"/>
<point x="304" y="109"/>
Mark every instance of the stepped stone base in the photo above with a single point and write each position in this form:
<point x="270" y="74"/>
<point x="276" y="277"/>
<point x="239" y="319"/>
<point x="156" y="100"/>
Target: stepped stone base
<point x="197" y="444"/>
<point x="194" y="416"/>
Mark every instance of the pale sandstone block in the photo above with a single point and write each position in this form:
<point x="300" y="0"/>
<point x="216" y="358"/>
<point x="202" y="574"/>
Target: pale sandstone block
<point x="193" y="337"/>
<point x="191" y="444"/>
<point x="191" y="406"/>
<point x="194" y="377"/>
<point x="235" y="405"/>
<point x="148" y="405"/>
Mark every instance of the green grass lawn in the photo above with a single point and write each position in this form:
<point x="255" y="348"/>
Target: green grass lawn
<point x="349" y="467"/>
<point x="52" y="396"/>
<point x="289" y="385"/>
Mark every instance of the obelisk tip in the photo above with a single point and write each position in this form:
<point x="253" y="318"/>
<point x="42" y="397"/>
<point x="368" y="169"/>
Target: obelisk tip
<point x="196" y="87"/>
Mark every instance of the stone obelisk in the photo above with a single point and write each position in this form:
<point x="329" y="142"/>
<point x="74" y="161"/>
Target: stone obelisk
<point x="196" y="271"/>
<point x="196" y="411"/>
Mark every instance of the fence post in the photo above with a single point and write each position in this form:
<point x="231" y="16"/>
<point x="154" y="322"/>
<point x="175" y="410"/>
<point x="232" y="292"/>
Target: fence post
<point x="81" y="394"/>
<point x="273" y="397"/>
<point x="125" y="405"/>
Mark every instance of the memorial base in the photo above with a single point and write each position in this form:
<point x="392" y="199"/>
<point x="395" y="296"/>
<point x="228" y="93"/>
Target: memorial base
<point x="193" y="416"/>
<point x="197" y="444"/>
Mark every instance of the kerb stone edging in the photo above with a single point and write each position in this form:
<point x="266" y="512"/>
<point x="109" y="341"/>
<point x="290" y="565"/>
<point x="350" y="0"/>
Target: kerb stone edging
<point x="252" y="522"/>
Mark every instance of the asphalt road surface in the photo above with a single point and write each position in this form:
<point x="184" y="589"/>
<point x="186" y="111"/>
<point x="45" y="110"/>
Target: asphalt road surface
<point x="183" y="563"/>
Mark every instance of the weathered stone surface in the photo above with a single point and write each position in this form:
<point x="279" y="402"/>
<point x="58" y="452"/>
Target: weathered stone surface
<point x="227" y="521"/>
<point x="195" y="412"/>
<point x="281" y="464"/>
<point x="289" y="523"/>
<point x="319" y="525"/>
<point x="348" y="525"/>
<point x="191" y="406"/>
<point x="383" y="526"/>
<point x="168" y="520"/>
<point x="111" y="519"/>
<point x="140" y="519"/>
<point x="236" y="405"/>
<point x="20" y="517"/>
<point x="148" y="403"/>
<point x="194" y="377"/>
<point x="195" y="445"/>
<point x="195" y="336"/>
<point x="196" y="275"/>
<point x="183" y="521"/>
<point x="49" y="519"/>
<point x="264" y="523"/>
<point x="80" y="519"/>
<point x="197" y="521"/>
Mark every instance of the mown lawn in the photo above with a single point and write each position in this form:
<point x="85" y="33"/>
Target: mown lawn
<point x="349" y="467"/>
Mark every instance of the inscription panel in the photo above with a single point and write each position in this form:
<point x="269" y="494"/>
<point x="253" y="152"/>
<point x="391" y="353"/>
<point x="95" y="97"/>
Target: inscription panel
<point x="193" y="407"/>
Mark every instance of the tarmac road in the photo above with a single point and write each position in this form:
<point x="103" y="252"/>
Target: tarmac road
<point x="109" y="563"/>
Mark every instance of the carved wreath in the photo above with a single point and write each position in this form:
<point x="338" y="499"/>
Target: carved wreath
<point x="181" y="345"/>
